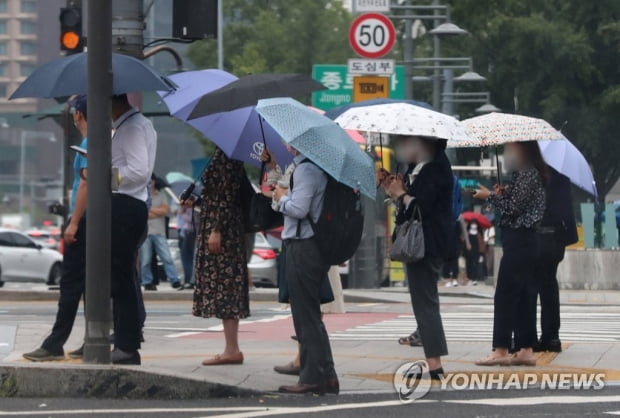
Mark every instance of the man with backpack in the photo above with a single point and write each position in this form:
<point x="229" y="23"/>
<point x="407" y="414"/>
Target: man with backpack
<point x="302" y="206"/>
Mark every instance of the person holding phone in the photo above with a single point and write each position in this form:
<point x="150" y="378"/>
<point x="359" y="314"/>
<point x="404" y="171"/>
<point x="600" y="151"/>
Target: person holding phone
<point x="522" y="205"/>
<point x="73" y="279"/>
<point x="427" y="184"/>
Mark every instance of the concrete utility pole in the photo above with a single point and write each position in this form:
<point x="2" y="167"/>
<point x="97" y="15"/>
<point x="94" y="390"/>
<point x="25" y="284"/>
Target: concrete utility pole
<point x="436" y="55"/>
<point x="98" y="221"/>
<point x="128" y="27"/>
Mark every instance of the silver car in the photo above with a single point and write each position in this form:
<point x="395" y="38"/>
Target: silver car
<point x="263" y="265"/>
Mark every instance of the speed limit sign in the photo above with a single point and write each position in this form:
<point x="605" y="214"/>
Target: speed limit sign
<point x="372" y="35"/>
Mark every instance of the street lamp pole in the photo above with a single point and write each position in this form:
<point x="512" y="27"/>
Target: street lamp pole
<point x="98" y="221"/>
<point x="436" y="55"/>
<point x="408" y="55"/>
<point x="220" y="34"/>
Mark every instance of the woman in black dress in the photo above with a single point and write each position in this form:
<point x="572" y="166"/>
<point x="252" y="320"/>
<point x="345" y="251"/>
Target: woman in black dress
<point x="522" y="204"/>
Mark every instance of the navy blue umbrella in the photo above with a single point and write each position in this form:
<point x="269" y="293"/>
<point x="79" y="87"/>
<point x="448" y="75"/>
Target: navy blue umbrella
<point x="68" y="76"/>
<point x="337" y="111"/>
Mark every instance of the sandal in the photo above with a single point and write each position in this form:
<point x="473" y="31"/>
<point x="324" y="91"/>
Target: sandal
<point x="220" y="360"/>
<point x="523" y="361"/>
<point x="412" y="340"/>
<point x="493" y="360"/>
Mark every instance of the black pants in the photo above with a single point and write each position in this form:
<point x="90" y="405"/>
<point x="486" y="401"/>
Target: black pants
<point x="422" y="277"/>
<point x="129" y="218"/>
<point x="305" y="271"/>
<point x="551" y="255"/>
<point x="72" y="285"/>
<point x="516" y="290"/>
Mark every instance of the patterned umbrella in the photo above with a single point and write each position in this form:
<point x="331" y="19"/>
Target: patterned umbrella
<point x="500" y="128"/>
<point x="320" y="140"/>
<point x="403" y="119"/>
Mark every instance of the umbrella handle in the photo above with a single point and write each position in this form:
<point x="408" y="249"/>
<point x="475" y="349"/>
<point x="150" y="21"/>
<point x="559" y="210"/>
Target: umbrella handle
<point x="263" y="164"/>
<point x="499" y="168"/>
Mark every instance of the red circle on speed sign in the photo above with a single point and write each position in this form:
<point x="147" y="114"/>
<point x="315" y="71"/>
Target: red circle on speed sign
<point x="372" y="35"/>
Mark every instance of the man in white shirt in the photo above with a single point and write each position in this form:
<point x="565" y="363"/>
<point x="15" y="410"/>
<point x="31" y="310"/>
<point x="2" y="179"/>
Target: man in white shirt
<point x="134" y="144"/>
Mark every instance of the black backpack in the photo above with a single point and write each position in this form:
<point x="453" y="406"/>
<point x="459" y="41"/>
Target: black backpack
<point x="338" y="231"/>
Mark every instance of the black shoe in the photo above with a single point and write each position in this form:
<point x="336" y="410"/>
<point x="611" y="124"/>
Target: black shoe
<point x="77" y="354"/>
<point x="124" y="357"/>
<point x="1" y="283"/>
<point x="150" y="287"/>
<point x="553" y="346"/>
<point x="186" y="286"/>
<point x="177" y="285"/>
<point x="436" y="374"/>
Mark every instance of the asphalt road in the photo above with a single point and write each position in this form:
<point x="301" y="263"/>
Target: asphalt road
<point x="506" y="404"/>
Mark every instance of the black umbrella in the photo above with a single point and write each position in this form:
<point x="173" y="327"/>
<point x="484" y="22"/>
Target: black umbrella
<point x="248" y="90"/>
<point x="67" y="76"/>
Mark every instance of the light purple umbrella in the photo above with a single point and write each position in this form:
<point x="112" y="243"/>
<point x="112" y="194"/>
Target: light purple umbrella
<point x="239" y="133"/>
<point x="568" y="160"/>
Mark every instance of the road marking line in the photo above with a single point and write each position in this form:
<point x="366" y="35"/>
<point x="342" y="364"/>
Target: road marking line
<point x="128" y="410"/>
<point x="317" y="409"/>
<point x="538" y="400"/>
<point x="612" y="413"/>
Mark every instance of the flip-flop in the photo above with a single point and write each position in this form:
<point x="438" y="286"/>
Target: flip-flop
<point x="219" y="360"/>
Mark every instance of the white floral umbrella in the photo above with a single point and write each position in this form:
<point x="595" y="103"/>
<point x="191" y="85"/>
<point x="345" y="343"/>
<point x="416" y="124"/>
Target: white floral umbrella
<point x="403" y="119"/>
<point x="500" y="128"/>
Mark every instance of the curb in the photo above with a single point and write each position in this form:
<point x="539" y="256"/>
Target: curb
<point x="260" y="296"/>
<point x="88" y="381"/>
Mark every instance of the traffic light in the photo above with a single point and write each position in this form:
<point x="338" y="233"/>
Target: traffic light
<point x="194" y="19"/>
<point x="71" y="40"/>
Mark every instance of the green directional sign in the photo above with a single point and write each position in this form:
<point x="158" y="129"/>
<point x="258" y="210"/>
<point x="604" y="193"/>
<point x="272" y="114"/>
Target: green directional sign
<point x="340" y="85"/>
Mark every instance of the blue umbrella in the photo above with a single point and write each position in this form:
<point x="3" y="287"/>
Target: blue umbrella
<point x="322" y="141"/>
<point x="68" y="76"/>
<point x="337" y="111"/>
<point x="239" y="133"/>
<point x="568" y="160"/>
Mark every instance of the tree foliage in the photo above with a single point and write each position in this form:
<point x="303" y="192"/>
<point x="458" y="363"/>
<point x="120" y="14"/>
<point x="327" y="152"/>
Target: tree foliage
<point x="555" y="59"/>
<point x="278" y="36"/>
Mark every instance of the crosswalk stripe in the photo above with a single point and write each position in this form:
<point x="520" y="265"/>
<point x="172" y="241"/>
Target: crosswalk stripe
<point x="478" y="326"/>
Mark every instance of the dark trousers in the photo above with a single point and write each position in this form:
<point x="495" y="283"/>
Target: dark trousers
<point x="187" y="245"/>
<point x="72" y="285"/>
<point x="305" y="271"/>
<point x="129" y="218"/>
<point x="551" y="255"/>
<point x="516" y="290"/>
<point x="422" y="277"/>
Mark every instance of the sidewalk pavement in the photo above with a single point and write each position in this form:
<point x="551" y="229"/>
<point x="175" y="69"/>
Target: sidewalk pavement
<point x="399" y="294"/>
<point x="171" y="366"/>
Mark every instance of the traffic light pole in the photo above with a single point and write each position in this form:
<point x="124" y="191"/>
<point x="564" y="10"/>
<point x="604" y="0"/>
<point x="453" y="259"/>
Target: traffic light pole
<point x="98" y="219"/>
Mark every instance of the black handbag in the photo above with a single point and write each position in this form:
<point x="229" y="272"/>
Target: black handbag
<point x="258" y="214"/>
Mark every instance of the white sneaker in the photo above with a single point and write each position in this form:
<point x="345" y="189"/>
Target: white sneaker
<point x="473" y="283"/>
<point x="455" y="283"/>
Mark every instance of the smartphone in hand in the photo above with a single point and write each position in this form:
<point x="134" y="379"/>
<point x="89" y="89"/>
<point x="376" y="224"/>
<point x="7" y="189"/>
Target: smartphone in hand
<point x="79" y="150"/>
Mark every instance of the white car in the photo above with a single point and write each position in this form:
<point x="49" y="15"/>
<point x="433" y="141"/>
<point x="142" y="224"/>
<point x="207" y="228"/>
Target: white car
<point x="21" y="258"/>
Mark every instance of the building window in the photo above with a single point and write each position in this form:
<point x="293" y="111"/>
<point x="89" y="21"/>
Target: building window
<point x="3" y="90"/>
<point x="3" y="27"/>
<point x="28" y="6"/>
<point x="25" y="69"/>
<point x="3" y="69"/>
<point x="28" y="27"/>
<point x="27" y="48"/>
<point x="3" y="6"/>
<point x="3" y="48"/>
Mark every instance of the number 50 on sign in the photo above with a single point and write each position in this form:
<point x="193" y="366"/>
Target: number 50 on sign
<point x="372" y="35"/>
